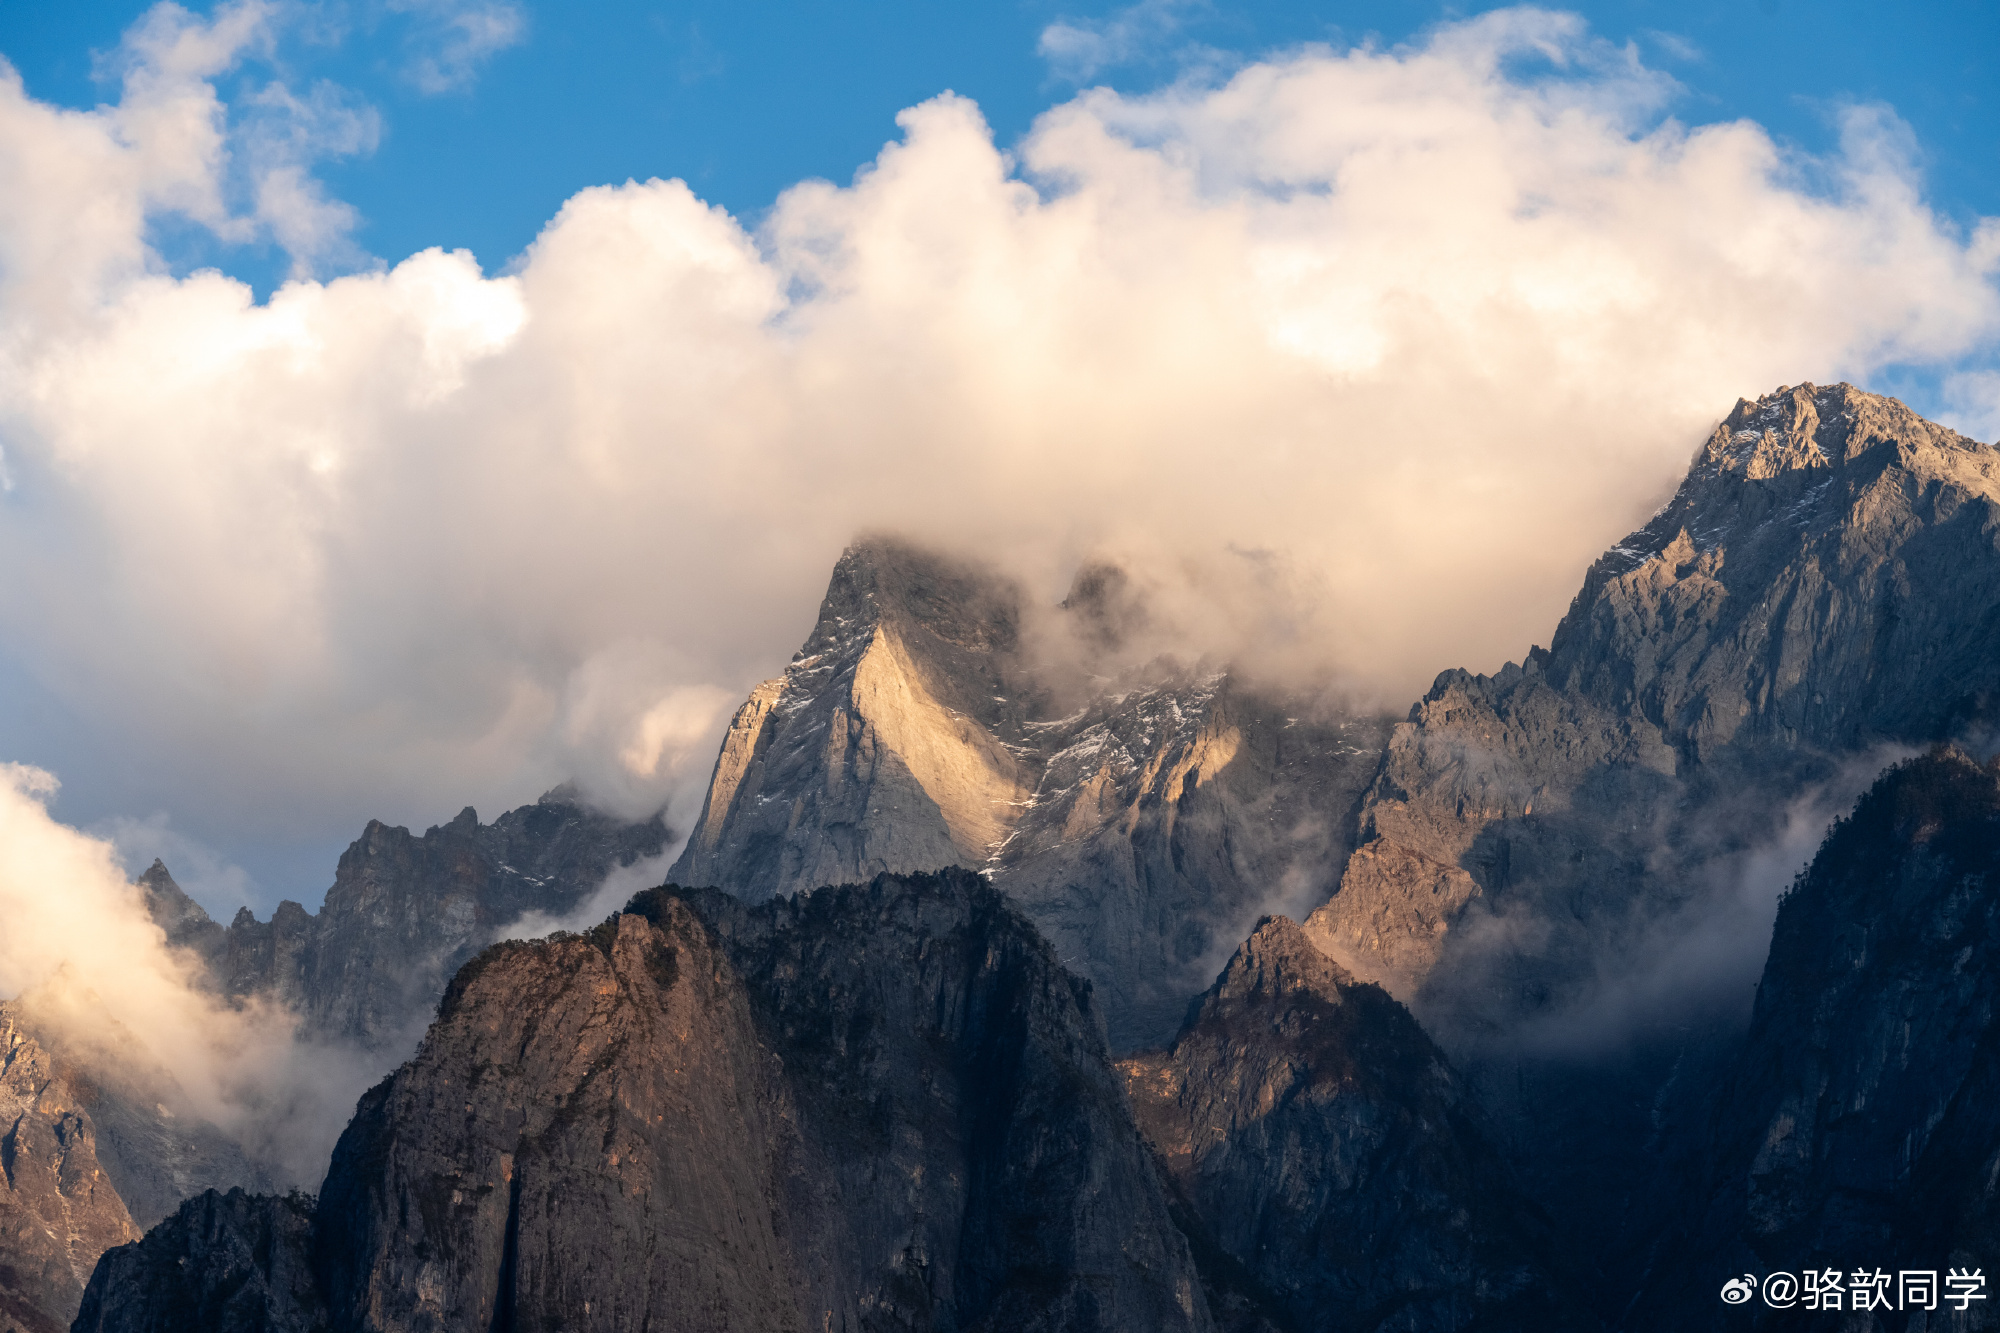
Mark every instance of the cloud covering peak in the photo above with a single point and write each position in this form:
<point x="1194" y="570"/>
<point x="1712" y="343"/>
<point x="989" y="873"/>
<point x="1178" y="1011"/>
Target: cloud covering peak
<point x="1425" y="328"/>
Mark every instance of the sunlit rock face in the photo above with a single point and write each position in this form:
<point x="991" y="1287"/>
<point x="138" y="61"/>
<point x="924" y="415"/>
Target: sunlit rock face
<point x="873" y="1107"/>
<point x="1143" y="820"/>
<point x="58" y="1208"/>
<point x="893" y="742"/>
<point x="1322" y="1143"/>
<point x="883" y="1105"/>
<point x="1860" y="1124"/>
<point x="1824" y="581"/>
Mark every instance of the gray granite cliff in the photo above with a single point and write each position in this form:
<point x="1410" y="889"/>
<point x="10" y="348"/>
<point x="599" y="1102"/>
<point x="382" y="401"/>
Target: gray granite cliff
<point x="1144" y="822"/>
<point x="1824" y="581"/>
<point x="404" y="912"/>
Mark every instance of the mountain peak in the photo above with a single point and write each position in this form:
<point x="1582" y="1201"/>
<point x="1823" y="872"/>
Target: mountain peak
<point x="171" y="909"/>
<point x="886" y="579"/>
<point x="1808" y="426"/>
<point x="1278" y="959"/>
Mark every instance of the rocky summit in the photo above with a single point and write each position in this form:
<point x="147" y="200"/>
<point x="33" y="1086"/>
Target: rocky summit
<point x="1824" y="582"/>
<point x="1143" y="822"/>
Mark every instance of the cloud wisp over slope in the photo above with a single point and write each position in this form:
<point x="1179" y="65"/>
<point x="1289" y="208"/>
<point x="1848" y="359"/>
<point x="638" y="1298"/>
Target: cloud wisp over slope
<point x="1423" y="329"/>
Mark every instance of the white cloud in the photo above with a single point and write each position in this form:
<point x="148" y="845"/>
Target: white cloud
<point x="1433" y="325"/>
<point x="83" y="958"/>
<point x="79" y="188"/>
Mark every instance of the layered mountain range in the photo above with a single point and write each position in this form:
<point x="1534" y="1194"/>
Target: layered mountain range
<point x="362" y="976"/>
<point x="1499" y="1068"/>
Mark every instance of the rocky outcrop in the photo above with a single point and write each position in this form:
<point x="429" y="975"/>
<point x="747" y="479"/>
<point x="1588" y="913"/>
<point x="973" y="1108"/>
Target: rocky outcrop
<point x="1823" y="582"/>
<point x="873" y="1107"/>
<point x="1323" y="1144"/>
<point x="1860" y="1125"/>
<point x="1172" y="812"/>
<point x="58" y="1208"/>
<point x="1143" y="819"/>
<point x="223" y="1263"/>
<point x="893" y="742"/>
<point x="588" y="1138"/>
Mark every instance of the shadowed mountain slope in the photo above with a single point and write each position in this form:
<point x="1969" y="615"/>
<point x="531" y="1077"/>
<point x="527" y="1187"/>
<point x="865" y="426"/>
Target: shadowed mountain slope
<point x="404" y="913"/>
<point x="1860" y="1125"/>
<point x="1324" y="1144"/>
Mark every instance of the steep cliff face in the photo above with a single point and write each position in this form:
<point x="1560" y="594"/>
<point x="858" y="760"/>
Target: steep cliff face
<point x="223" y="1263"/>
<point x="1824" y="581"/>
<point x="587" y="1138"/>
<point x="1860" y="1126"/>
<point x="1325" y="1145"/>
<point x="891" y="744"/>
<point x="881" y="1106"/>
<point x="58" y="1209"/>
<point x="1143" y="829"/>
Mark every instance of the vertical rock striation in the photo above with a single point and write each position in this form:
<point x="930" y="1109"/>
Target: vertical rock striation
<point x="871" y="1107"/>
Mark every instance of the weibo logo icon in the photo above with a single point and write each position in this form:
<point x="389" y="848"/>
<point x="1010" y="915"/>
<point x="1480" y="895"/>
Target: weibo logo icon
<point x="1738" y="1290"/>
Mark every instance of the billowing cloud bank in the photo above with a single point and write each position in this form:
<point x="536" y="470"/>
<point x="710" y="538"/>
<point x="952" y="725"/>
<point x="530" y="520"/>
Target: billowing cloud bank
<point x="1421" y="329"/>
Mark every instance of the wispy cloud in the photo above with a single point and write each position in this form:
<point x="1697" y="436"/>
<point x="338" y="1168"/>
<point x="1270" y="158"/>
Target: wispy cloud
<point x="1674" y="46"/>
<point x="1078" y="49"/>
<point x="453" y="38"/>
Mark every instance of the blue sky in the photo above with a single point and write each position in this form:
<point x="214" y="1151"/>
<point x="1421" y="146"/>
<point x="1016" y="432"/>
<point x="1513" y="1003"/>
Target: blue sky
<point x="743" y="100"/>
